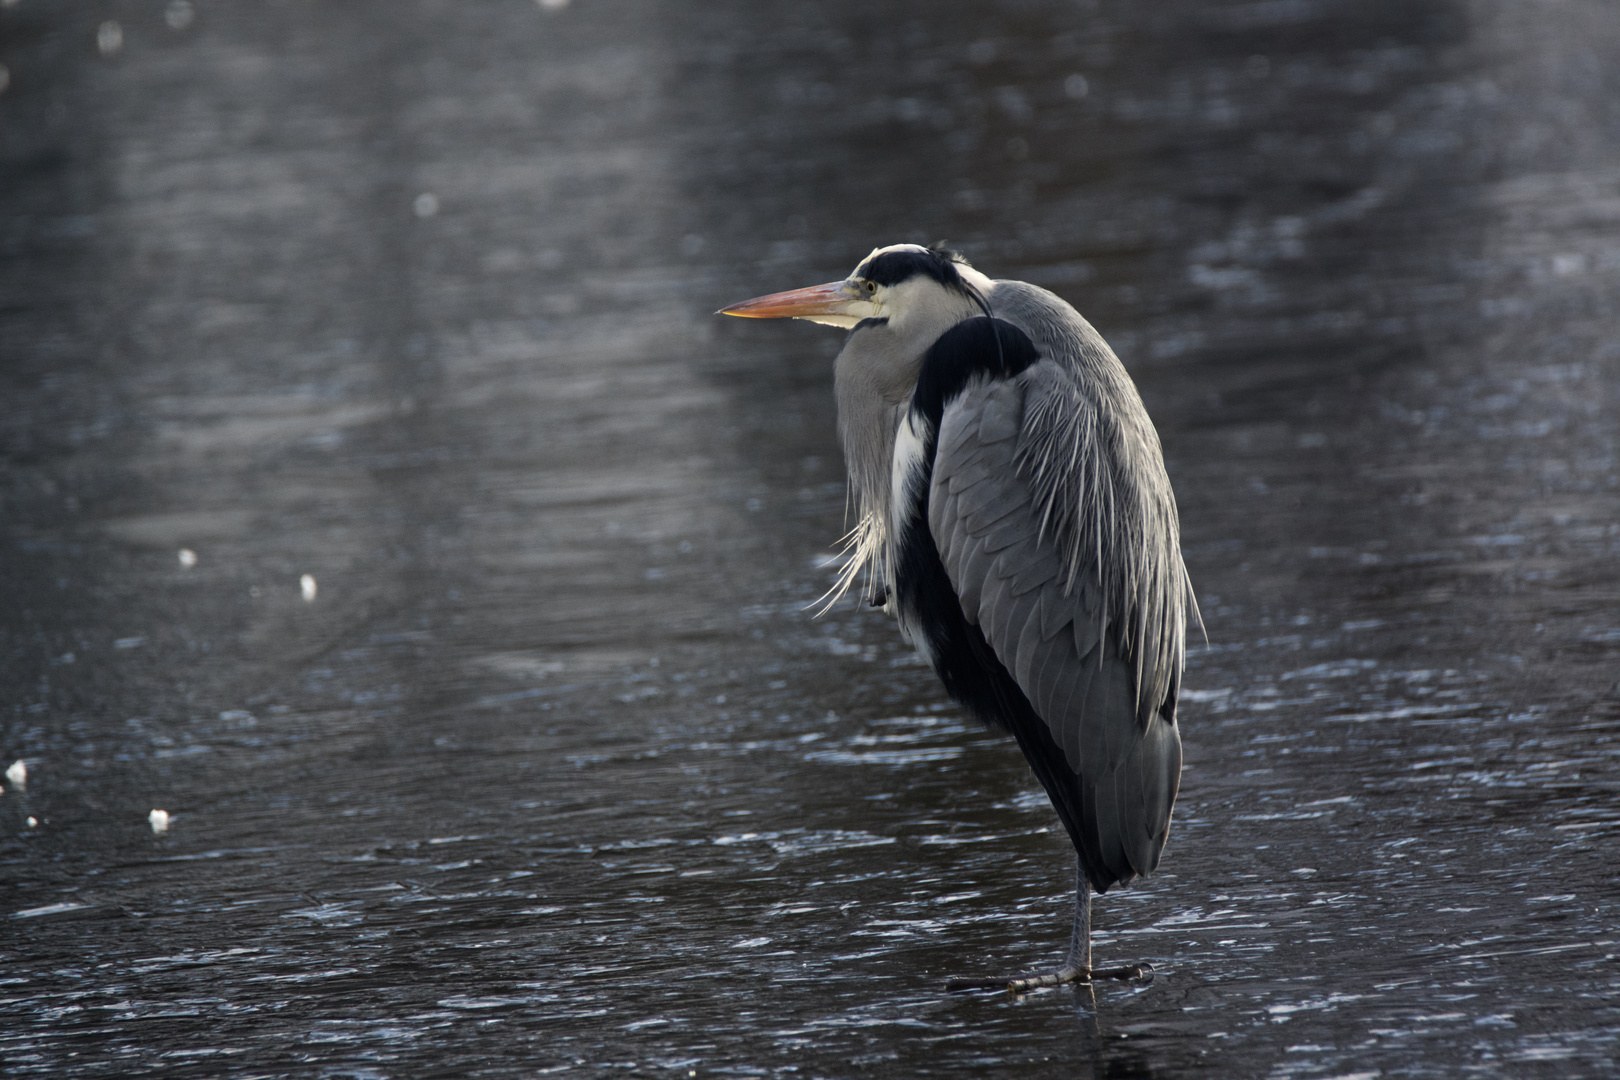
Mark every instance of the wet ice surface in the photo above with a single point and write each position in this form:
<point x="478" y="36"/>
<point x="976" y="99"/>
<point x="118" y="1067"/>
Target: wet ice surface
<point x="546" y="768"/>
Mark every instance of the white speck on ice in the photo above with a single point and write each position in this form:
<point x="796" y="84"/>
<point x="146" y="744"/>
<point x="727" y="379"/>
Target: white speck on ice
<point x="109" y="37"/>
<point x="159" y="820"/>
<point x="306" y="585"/>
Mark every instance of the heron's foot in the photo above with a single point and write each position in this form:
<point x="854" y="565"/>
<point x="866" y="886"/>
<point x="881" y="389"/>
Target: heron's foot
<point x="1018" y="984"/>
<point x="1035" y="980"/>
<point x="1142" y="973"/>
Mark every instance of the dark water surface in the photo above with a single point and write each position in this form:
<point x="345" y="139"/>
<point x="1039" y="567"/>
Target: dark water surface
<point x="555" y="774"/>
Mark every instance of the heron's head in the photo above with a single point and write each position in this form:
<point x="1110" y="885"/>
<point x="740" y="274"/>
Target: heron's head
<point x="907" y="288"/>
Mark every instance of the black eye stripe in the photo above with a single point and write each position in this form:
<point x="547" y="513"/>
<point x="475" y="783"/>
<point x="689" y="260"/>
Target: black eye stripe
<point x="893" y="267"/>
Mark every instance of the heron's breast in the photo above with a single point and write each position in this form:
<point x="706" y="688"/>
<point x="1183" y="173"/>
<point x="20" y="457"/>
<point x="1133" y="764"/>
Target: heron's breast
<point x="908" y="515"/>
<point x="908" y="475"/>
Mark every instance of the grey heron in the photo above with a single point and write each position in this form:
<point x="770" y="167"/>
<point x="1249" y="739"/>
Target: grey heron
<point x="1015" y="517"/>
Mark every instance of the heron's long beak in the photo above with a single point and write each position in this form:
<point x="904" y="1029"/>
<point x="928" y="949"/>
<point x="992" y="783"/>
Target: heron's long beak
<point x="831" y="304"/>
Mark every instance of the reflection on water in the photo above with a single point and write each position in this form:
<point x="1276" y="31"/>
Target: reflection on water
<point x="382" y="505"/>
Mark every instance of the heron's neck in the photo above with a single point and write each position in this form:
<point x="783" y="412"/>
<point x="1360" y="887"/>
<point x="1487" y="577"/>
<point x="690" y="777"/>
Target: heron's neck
<point x="867" y="420"/>
<point x="868" y="431"/>
<point x="872" y="382"/>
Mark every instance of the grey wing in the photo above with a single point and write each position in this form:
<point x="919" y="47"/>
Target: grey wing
<point x="1111" y="767"/>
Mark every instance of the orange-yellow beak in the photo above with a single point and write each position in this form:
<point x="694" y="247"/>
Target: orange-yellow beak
<point x="833" y="304"/>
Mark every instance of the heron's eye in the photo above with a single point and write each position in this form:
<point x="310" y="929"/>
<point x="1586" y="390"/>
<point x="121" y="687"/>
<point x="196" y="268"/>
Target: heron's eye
<point x="871" y="286"/>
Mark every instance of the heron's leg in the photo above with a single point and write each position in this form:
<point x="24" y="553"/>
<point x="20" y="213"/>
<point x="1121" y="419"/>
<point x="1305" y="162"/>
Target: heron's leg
<point x="1080" y="932"/>
<point x="1076" y="966"/>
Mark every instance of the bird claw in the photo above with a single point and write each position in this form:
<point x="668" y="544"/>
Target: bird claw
<point x="1142" y="973"/>
<point x="1019" y="984"/>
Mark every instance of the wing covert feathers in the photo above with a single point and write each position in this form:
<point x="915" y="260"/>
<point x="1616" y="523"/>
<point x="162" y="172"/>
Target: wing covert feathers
<point x="1075" y="579"/>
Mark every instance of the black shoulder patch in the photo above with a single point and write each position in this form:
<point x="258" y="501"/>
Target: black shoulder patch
<point x="980" y="347"/>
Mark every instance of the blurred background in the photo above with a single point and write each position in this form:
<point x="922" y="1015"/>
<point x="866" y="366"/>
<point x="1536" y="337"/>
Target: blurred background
<point x="380" y="499"/>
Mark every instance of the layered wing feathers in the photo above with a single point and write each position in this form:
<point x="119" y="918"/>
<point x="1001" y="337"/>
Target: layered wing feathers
<point x="1109" y="755"/>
